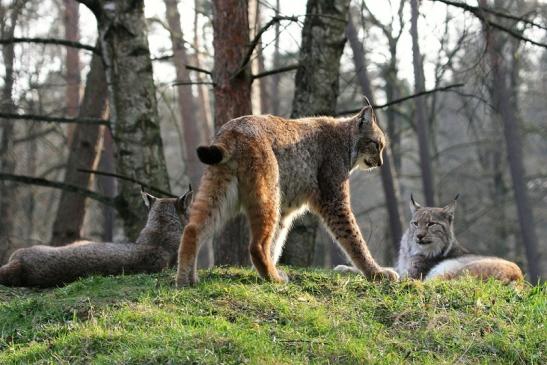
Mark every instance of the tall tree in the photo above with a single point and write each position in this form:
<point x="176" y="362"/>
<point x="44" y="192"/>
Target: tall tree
<point x="8" y="18"/>
<point x="422" y="128"/>
<point x="72" y="58"/>
<point x="276" y="78"/>
<point x="316" y="91"/>
<point x="505" y="106"/>
<point x="187" y="107"/>
<point x="204" y="110"/>
<point x="389" y="180"/>
<point x="232" y="91"/>
<point x="84" y="148"/>
<point x="133" y="105"/>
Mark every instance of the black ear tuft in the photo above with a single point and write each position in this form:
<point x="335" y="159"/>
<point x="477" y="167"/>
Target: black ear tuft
<point x="149" y="199"/>
<point x="183" y="202"/>
<point x="413" y="205"/>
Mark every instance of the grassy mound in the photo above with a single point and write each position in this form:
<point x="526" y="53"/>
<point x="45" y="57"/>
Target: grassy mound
<point x="232" y="317"/>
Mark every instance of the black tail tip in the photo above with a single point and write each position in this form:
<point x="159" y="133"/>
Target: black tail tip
<point x="210" y="155"/>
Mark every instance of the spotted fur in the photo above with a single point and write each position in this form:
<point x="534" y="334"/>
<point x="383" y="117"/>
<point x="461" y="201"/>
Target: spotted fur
<point x="275" y="169"/>
<point x="429" y="250"/>
<point x="155" y="249"/>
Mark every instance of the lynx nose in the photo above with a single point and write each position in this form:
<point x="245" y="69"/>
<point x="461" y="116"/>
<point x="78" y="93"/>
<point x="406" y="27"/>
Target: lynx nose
<point x="420" y="235"/>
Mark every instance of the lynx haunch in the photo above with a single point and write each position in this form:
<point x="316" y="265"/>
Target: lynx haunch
<point x="275" y="169"/>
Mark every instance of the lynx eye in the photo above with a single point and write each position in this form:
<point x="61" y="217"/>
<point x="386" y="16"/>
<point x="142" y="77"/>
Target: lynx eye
<point x="415" y="223"/>
<point x="431" y="224"/>
<point x="375" y="144"/>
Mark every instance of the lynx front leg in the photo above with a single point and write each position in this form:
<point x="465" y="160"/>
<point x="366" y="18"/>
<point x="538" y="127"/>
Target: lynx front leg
<point x="339" y="218"/>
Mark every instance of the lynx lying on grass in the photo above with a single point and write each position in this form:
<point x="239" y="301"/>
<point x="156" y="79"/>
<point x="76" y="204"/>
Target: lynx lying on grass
<point x="275" y="169"/>
<point x="430" y="250"/>
<point x="154" y="250"/>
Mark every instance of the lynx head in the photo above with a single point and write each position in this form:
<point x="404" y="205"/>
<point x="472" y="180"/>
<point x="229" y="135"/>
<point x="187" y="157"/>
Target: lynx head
<point x="369" y="140"/>
<point x="167" y="216"/>
<point x="431" y="231"/>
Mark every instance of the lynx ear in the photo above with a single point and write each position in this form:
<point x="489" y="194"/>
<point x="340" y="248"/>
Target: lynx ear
<point x="183" y="202"/>
<point x="149" y="199"/>
<point x="450" y="209"/>
<point x="413" y="205"/>
<point x="365" y="116"/>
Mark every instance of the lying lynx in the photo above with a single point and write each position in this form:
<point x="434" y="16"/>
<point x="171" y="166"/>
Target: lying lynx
<point x="430" y="250"/>
<point x="154" y="250"/>
<point x="275" y="169"/>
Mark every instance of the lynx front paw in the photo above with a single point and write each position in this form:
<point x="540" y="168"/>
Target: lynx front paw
<point x="346" y="268"/>
<point x="387" y="273"/>
<point x="283" y="275"/>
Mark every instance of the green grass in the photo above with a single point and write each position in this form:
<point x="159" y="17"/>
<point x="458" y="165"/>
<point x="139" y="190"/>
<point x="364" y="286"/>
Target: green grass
<point x="232" y="317"/>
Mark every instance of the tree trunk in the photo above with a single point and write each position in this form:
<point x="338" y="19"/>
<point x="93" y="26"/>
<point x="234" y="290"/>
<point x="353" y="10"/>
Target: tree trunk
<point x="107" y="184"/>
<point x="259" y="97"/>
<point x="389" y="179"/>
<point x="72" y="59"/>
<point x="501" y="98"/>
<point x="133" y="105"/>
<point x="422" y="128"/>
<point x="187" y="107"/>
<point x="274" y="97"/>
<point x="232" y="99"/>
<point x="83" y="153"/>
<point x="7" y="104"/>
<point x="204" y="111"/>
<point x="316" y="91"/>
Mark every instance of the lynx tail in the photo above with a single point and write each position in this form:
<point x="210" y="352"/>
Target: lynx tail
<point x="213" y="154"/>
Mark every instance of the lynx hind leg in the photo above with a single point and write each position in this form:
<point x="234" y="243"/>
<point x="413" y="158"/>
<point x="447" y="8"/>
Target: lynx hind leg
<point x="11" y="273"/>
<point x="340" y="221"/>
<point x="215" y="202"/>
<point x="262" y="207"/>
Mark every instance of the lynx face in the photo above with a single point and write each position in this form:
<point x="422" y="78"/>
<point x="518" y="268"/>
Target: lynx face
<point x="431" y="230"/>
<point x="370" y="143"/>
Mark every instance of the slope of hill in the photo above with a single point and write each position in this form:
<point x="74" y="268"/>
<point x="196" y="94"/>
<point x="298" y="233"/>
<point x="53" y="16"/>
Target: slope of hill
<point x="232" y="317"/>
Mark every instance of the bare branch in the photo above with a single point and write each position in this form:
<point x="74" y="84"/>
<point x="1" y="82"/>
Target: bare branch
<point x="58" y="185"/>
<point x="256" y="39"/>
<point x="475" y="9"/>
<point x="127" y="178"/>
<point x="199" y="69"/>
<point x="184" y="83"/>
<point x="400" y="100"/>
<point x="276" y="71"/>
<point x="480" y="13"/>
<point x="7" y="117"/>
<point x="60" y="42"/>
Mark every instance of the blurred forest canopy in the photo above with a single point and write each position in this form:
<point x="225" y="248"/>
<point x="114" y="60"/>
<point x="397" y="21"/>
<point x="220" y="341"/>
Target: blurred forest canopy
<point x="100" y="97"/>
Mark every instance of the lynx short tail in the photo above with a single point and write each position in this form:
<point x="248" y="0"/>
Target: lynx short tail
<point x="213" y="154"/>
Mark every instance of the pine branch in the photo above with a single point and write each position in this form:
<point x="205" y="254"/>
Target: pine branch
<point x="60" y="42"/>
<point x="247" y="58"/>
<point x="480" y="13"/>
<point x="275" y="71"/>
<point x="400" y="100"/>
<point x="59" y="185"/>
<point x="127" y="178"/>
<point x="7" y="117"/>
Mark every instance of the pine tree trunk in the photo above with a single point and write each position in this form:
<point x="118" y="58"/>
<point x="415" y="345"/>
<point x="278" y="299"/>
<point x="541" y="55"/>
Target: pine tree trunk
<point x="107" y="184"/>
<point x="187" y="107"/>
<point x="422" y="128"/>
<point x="204" y="110"/>
<point x="133" y="105"/>
<point x="502" y="99"/>
<point x="389" y="179"/>
<point x="274" y="97"/>
<point x="7" y="158"/>
<point x="316" y="91"/>
<point x="82" y="155"/>
<point x="232" y="99"/>
<point x="72" y="59"/>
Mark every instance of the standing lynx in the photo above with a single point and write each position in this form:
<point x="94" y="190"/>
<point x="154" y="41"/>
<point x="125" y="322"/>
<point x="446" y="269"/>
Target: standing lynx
<point x="275" y="169"/>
